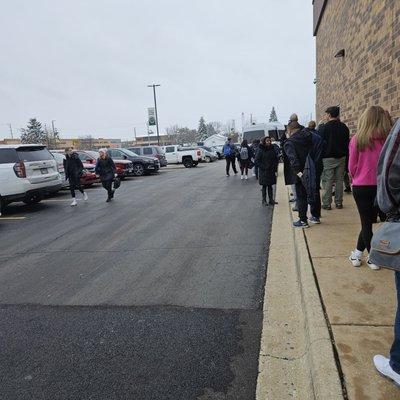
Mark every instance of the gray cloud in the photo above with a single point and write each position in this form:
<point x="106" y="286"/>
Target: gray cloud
<point x="86" y="64"/>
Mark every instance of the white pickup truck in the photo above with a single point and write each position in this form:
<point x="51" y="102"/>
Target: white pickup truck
<point x="187" y="156"/>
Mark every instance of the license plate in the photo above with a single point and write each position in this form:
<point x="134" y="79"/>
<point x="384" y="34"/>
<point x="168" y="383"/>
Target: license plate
<point x="44" y="171"/>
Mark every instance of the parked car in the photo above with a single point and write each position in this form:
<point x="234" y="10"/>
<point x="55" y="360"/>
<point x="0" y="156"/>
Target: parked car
<point x="187" y="156"/>
<point x="141" y="165"/>
<point x="89" y="177"/>
<point x="151" y="151"/>
<point x="28" y="172"/>
<point x="209" y="153"/>
<point x="218" y="151"/>
<point x="124" y="167"/>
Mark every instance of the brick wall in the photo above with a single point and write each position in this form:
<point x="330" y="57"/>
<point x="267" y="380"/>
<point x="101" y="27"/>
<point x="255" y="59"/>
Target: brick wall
<point x="369" y="74"/>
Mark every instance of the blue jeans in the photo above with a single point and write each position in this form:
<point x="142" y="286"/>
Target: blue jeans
<point x="395" y="350"/>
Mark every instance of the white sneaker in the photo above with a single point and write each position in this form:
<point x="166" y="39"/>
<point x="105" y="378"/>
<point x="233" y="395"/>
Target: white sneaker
<point x="74" y="203"/>
<point x="245" y="177"/>
<point x="372" y="266"/>
<point x="85" y="197"/>
<point x="241" y="177"/>
<point x="355" y="259"/>
<point x="383" y="366"/>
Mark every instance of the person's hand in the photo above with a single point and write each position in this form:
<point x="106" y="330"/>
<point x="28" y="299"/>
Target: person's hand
<point x="300" y="174"/>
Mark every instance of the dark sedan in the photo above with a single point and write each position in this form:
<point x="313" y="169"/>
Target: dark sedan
<point x="141" y="165"/>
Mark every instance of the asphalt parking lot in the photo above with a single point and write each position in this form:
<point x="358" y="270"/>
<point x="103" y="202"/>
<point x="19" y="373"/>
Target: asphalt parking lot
<point x="156" y="295"/>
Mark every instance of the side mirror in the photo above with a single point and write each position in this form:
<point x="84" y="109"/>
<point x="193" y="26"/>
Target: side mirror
<point x="125" y="157"/>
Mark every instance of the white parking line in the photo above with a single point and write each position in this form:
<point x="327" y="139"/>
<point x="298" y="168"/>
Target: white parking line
<point x="12" y="218"/>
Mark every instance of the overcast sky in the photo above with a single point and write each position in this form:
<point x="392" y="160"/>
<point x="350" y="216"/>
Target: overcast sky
<point x="86" y="63"/>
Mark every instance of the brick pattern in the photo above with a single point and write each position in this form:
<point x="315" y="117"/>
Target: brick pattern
<point x="369" y="74"/>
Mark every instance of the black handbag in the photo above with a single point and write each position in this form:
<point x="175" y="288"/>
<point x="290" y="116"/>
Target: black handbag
<point x="116" y="183"/>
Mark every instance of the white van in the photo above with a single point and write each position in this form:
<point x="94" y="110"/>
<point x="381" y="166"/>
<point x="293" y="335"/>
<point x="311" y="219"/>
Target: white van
<point x="27" y="173"/>
<point x="258" y="131"/>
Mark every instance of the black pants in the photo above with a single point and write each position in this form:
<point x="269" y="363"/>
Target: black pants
<point x="264" y="189"/>
<point x="74" y="184"/>
<point x="244" y="166"/>
<point x="365" y="200"/>
<point x="230" y="160"/>
<point x="316" y="206"/>
<point x="108" y="186"/>
<point x="302" y="203"/>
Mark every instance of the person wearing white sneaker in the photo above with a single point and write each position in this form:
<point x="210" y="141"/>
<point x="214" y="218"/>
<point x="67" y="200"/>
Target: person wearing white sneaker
<point x="244" y="156"/>
<point x="73" y="168"/>
<point x="355" y="258"/>
<point x="382" y="364"/>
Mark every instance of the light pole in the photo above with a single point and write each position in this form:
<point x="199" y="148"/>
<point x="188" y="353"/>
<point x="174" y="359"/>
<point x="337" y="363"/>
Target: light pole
<point x="155" y="107"/>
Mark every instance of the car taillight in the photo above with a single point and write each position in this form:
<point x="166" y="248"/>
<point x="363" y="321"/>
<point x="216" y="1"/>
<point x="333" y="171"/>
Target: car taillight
<point x="19" y="169"/>
<point x="198" y="152"/>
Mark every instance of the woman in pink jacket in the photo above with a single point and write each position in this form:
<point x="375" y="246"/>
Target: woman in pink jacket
<point x="364" y="149"/>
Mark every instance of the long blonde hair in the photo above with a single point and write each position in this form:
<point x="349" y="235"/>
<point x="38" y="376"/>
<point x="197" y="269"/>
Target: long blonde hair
<point x="374" y="123"/>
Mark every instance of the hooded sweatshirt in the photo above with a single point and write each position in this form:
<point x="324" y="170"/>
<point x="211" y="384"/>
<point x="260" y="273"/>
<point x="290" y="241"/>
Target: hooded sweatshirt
<point x="363" y="164"/>
<point x="297" y="148"/>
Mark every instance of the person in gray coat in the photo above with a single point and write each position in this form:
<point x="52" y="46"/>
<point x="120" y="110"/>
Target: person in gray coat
<point x="267" y="162"/>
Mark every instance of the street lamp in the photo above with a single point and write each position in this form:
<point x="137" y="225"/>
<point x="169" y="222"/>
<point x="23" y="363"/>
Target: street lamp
<point x="155" y="107"/>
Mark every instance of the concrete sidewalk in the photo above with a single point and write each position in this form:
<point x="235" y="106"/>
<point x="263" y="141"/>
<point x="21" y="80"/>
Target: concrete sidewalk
<point x="324" y="320"/>
<point x="360" y="303"/>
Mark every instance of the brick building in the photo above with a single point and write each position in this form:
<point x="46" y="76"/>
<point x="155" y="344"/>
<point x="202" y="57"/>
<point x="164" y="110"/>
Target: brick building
<point x="358" y="56"/>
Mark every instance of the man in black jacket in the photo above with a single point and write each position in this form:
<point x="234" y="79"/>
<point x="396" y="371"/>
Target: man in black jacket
<point x="336" y="136"/>
<point x="297" y="147"/>
<point x="73" y="168"/>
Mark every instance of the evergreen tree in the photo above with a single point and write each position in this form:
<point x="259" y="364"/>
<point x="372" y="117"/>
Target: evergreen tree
<point x="33" y="133"/>
<point x="202" y="130"/>
<point x="273" y="117"/>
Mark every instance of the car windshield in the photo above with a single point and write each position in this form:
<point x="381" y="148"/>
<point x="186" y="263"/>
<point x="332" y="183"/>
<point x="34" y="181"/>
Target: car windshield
<point x="36" y="153"/>
<point x="207" y="148"/>
<point x="93" y="154"/>
<point x="252" y="135"/>
<point x="128" y="152"/>
<point x="58" y="157"/>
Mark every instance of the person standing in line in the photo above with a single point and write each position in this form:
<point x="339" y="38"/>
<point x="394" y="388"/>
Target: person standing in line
<point x="254" y="149"/>
<point x="267" y="162"/>
<point x="316" y="154"/>
<point x="297" y="148"/>
<point x="105" y="168"/>
<point x="336" y="136"/>
<point x="364" y="151"/>
<point x="289" y="176"/>
<point x="244" y="157"/>
<point x="229" y="152"/>
<point x="390" y="201"/>
<point x="73" y="168"/>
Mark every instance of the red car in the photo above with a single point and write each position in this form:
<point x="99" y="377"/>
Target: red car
<point x="124" y="167"/>
<point x="88" y="179"/>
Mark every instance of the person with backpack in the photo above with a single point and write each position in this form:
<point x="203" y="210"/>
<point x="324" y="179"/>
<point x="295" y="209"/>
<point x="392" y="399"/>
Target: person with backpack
<point x="106" y="169"/>
<point x="244" y="157"/>
<point x="229" y="152"/>
<point x="267" y="162"/>
<point x="74" y="170"/>
<point x="386" y="240"/>
<point x="364" y="150"/>
<point x="297" y="148"/>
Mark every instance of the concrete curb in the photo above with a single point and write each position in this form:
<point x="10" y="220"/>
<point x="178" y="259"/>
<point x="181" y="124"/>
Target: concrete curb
<point x="296" y="356"/>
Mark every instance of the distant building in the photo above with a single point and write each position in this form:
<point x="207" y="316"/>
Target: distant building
<point x="358" y="56"/>
<point x="10" y="141"/>
<point x="151" y="140"/>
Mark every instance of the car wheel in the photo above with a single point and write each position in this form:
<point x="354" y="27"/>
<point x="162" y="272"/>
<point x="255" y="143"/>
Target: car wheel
<point x="33" y="199"/>
<point x="208" y="159"/>
<point x="138" y="170"/>
<point x="188" y="163"/>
